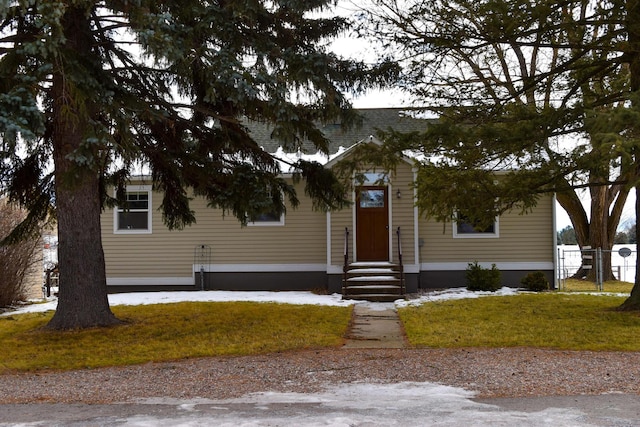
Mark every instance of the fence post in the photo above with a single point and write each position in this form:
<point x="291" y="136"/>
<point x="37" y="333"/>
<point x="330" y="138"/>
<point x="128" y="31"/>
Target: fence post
<point x="599" y="275"/>
<point x="561" y="270"/>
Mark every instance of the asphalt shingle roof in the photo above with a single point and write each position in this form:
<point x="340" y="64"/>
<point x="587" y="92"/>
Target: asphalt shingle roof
<point x="374" y="119"/>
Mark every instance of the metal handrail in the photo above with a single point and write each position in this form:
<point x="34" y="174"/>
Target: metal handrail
<point x="399" y="246"/>
<point x="400" y="265"/>
<point x="346" y="246"/>
<point x="346" y="260"/>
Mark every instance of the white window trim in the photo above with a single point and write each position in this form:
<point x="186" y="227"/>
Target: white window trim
<point x="494" y="235"/>
<point x="279" y="223"/>
<point x="132" y="189"/>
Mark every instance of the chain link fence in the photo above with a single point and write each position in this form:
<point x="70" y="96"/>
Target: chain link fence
<point x="572" y="258"/>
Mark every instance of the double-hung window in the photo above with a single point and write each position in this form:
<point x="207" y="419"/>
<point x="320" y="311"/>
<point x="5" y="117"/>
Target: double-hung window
<point x="135" y="216"/>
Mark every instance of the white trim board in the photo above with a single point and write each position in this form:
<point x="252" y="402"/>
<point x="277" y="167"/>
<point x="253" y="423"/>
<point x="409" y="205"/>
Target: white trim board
<point x="150" y="281"/>
<point x="459" y="266"/>
<point x="259" y="268"/>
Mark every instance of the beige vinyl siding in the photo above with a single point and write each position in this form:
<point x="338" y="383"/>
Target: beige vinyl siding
<point x="522" y="238"/>
<point x="165" y="253"/>
<point x="339" y="221"/>
<point x="34" y="279"/>
<point x="403" y="213"/>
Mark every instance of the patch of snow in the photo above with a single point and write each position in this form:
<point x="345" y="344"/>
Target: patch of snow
<point x="361" y="404"/>
<point x="285" y="297"/>
<point x="143" y="298"/>
<point x="454" y="294"/>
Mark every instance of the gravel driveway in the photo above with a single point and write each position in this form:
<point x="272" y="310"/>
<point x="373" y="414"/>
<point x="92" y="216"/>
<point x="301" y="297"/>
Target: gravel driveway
<point x="505" y="372"/>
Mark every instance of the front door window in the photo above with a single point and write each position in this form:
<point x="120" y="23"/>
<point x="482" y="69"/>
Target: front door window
<point x="372" y="198"/>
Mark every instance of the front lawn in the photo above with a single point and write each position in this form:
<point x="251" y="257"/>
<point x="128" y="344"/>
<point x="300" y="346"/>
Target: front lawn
<point x="552" y="320"/>
<point x="164" y="332"/>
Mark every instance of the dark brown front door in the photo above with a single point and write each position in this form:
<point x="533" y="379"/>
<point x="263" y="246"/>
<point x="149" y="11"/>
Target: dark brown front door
<point x="372" y="224"/>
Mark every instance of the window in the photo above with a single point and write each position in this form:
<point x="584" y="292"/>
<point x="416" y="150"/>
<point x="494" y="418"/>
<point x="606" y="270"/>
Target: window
<point x="372" y="198"/>
<point x="268" y="218"/>
<point x="375" y="178"/>
<point x="464" y="228"/>
<point x="135" y="216"/>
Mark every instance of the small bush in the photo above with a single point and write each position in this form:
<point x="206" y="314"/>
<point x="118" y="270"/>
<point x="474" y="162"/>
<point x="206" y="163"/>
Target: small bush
<point x="17" y="261"/>
<point x="483" y="279"/>
<point x="536" y="282"/>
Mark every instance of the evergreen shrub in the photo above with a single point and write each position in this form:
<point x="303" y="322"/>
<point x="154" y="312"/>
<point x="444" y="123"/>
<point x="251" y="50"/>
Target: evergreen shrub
<point x="483" y="279"/>
<point x="536" y="282"/>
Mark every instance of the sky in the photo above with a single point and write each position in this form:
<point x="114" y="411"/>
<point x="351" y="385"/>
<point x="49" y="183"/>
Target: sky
<point x="362" y="404"/>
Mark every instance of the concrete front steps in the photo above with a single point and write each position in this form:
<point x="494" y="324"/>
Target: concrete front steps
<point x="373" y="281"/>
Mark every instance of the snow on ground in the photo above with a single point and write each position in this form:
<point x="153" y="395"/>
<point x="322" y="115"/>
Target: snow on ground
<point x="453" y="294"/>
<point x="404" y="404"/>
<point x="360" y="404"/>
<point x="286" y="297"/>
<point x="143" y="298"/>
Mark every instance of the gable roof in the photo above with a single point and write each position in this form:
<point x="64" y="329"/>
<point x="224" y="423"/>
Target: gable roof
<point x="341" y="140"/>
<point x="373" y="119"/>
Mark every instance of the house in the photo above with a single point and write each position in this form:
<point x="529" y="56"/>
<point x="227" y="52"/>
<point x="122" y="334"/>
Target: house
<point x="306" y="249"/>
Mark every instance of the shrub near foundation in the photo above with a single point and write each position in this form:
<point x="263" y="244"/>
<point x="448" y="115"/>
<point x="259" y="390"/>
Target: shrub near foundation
<point x="536" y="282"/>
<point x="483" y="279"/>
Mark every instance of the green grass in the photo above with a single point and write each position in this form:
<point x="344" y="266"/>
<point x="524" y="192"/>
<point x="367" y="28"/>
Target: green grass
<point x="164" y="332"/>
<point x="171" y="331"/>
<point x="616" y="286"/>
<point x="551" y="320"/>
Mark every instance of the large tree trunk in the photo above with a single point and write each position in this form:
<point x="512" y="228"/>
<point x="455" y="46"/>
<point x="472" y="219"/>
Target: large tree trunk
<point x="633" y="17"/>
<point x="82" y="301"/>
<point x="599" y="233"/>
<point x="633" y="302"/>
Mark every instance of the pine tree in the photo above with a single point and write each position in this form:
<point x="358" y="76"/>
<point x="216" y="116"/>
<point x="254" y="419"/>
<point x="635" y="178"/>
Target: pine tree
<point x="100" y="88"/>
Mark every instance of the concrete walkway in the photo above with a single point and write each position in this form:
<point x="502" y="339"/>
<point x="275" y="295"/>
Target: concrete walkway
<point x="375" y="325"/>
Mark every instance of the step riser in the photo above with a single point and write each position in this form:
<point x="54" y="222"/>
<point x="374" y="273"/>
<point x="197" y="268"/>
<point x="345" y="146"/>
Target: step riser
<point x="370" y="292"/>
<point x="372" y="288"/>
<point x="395" y="274"/>
<point x="361" y="266"/>
<point x="374" y="280"/>
<point x="374" y="298"/>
